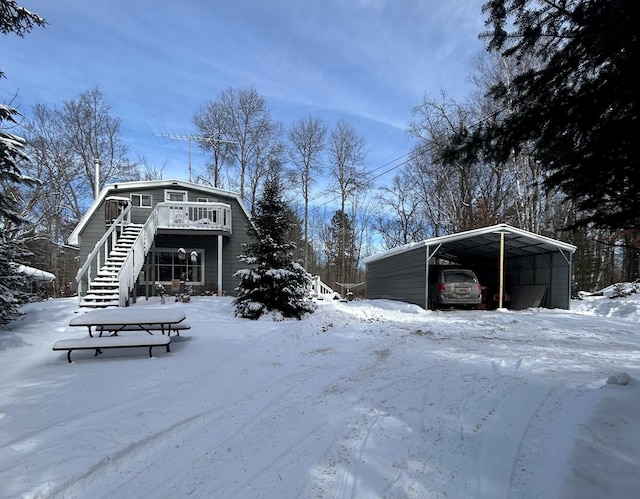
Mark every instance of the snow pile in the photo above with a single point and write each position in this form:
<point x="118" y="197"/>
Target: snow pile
<point x="627" y="307"/>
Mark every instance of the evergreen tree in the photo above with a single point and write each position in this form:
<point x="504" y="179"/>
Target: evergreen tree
<point x="273" y="282"/>
<point x="340" y="247"/>
<point x="18" y="20"/>
<point x="577" y="106"/>
<point x="11" y="282"/>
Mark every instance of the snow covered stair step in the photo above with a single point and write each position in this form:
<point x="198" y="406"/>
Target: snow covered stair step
<point x="93" y="304"/>
<point x="102" y="342"/>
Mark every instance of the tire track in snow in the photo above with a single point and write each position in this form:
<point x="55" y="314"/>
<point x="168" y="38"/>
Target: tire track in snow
<point x="338" y="387"/>
<point x="161" y="444"/>
<point x="351" y="465"/>
<point x="497" y="455"/>
<point x="109" y="464"/>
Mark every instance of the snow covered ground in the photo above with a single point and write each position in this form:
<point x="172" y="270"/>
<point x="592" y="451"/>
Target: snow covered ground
<point x="360" y="400"/>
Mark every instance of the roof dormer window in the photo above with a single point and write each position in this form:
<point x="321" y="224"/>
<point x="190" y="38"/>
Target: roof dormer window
<point x="175" y="196"/>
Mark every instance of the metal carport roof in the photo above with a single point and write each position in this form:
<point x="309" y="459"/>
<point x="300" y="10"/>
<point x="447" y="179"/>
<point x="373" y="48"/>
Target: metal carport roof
<point x="483" y="244"/>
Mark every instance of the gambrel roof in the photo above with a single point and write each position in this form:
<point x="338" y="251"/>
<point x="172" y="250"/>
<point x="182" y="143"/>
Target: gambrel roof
<point x="149" y="184"/>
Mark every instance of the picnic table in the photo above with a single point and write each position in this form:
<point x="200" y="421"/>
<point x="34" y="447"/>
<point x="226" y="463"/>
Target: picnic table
<point x="125" y="319"/>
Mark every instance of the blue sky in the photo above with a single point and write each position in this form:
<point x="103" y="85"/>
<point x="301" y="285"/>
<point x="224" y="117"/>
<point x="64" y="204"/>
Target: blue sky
<point x="366" y="61"/>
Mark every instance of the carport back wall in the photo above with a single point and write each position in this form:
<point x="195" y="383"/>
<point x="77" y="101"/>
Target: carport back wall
<point x="548" y="269"/>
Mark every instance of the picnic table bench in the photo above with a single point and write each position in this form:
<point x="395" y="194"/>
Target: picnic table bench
<point x="100" y="343"/>
<point x="127" y="319"/>
<point x="114" y="321"/>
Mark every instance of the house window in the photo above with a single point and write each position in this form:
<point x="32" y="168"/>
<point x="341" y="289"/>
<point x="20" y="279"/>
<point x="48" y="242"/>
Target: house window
<point x="141" y="200"/>
<point x="203" y="200"/>
<point x="168" y="265"/>
<point x="175" y="196"/>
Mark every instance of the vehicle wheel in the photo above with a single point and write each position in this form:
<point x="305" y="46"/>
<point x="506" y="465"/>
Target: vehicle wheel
<point x="432" y="304"/>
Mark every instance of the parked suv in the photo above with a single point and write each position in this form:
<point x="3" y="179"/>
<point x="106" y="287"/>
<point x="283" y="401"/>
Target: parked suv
<point x="453" y="287"/>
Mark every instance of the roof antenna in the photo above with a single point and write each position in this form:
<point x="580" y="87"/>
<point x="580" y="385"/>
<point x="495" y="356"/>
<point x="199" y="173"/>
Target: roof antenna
<point x="199" y="138"/>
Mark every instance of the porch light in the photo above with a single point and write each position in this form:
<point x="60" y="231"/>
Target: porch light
<point x="194" y="256"/>
<point x="182" y="254"/>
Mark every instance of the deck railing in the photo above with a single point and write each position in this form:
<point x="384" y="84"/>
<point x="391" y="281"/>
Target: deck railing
<point x="198" y="216"/>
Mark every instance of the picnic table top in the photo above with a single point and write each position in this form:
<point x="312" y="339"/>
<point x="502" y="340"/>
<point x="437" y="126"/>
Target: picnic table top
<point x="124" y="316"/>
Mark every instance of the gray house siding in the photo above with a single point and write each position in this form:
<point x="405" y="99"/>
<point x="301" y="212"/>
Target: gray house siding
<point x="95" y="227"/>
<point x="93" y="232"/>
<point x="399" y="277"/>
<point x="236" y="246"/>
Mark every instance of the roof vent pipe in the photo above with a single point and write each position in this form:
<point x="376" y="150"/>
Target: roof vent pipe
<point x="97" y="188"/>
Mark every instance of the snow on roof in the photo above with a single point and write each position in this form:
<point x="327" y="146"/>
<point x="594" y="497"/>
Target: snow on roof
<point x="35" y="274"/>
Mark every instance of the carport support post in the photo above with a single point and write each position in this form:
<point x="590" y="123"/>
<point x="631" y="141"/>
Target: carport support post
<point x="501" y="279"/>
<point x="428" y="256"/>
<point x="426" y="279"/>
<point x="219" y="265"/>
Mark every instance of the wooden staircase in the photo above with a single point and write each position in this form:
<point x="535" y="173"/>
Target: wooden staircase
<point x="103" y="289"/>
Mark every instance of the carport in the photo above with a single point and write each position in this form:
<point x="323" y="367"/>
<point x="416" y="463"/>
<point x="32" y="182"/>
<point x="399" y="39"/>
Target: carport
<point x="517" y="269"/>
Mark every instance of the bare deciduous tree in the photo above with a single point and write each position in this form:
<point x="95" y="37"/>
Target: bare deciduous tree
<point x="251" y="127"/>
<point x="268" y="158"/>
<point x="455" y="183"/>
<point x="400" y="219"/>
<point x="91" y="132"/>
<point x="66" y="141"/>
<point x="306" y="145"/>
<point x="346" y="157"/>
<point x="63" y="144"/>
<point x="213" y="126"/>
<point x="238" y="128"/>
<point x="151" y="172"/>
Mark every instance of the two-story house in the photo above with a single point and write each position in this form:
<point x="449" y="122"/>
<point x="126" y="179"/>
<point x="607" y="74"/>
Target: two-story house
<point x="169" y="231"/>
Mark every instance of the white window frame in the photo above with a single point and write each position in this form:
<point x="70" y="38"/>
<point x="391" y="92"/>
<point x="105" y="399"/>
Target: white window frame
<point x="204" y="200"/>
<point x="141" y="197"/>
<point x="169" y="192"/>
<point x="174" y="252"/>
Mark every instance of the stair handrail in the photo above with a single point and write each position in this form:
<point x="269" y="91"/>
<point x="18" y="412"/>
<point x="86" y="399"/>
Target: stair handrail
<point x="320" y="288"/>
<point x="134" y="261"/>
<point x="98" y="256"/>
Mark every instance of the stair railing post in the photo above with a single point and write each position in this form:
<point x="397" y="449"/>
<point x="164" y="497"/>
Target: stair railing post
<point x="113" y="240"/>
<point x="98" y="263"/>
